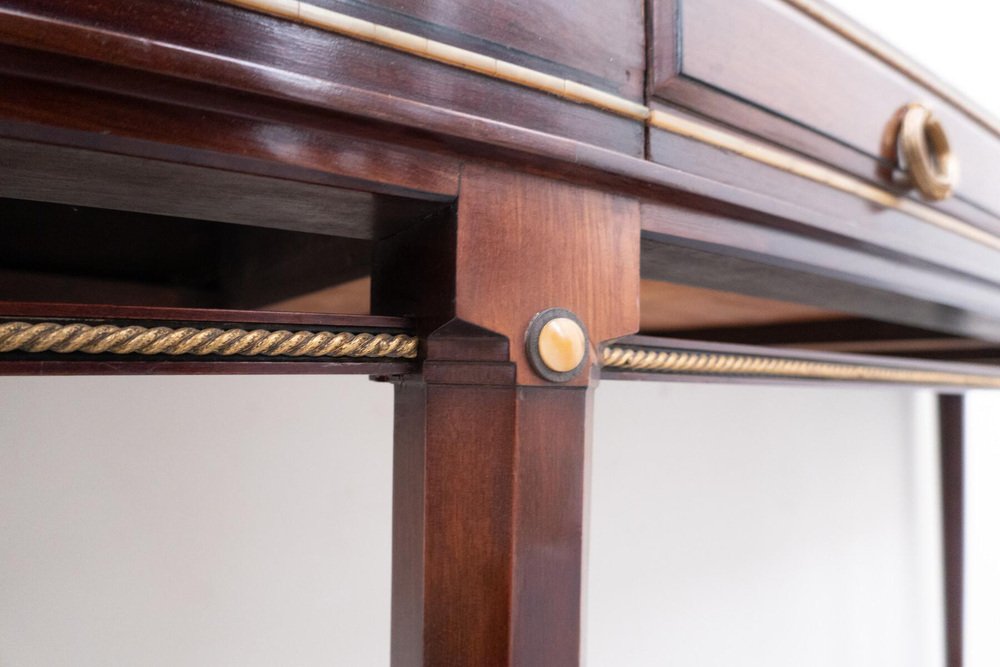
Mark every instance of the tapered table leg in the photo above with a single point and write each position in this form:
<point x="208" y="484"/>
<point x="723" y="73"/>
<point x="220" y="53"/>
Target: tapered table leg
<point x="487" y="521"/>
<point x="952" y="428"/>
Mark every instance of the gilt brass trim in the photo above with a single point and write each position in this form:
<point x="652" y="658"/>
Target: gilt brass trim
<point x="65" y="338"/>
<point x="694" y="362"/>
<point x="342" y="24"/>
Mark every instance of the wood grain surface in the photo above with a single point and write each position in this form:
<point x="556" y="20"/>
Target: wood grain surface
<point x="488" y="511"/>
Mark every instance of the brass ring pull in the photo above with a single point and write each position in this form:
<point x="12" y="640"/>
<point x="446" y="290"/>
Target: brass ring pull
<point x="926" y="152"/>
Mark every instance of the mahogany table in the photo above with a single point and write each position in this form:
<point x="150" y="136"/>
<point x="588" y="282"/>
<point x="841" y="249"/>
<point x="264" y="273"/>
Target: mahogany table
<point x="483" y="203"/>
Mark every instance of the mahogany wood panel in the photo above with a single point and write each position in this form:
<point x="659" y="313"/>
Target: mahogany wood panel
<point x="803" y="86"/>
<point x="267" y="266"/>
<point x="458" y="523"/>
<point x="114" y="245"/>
<point x="590" y="164"/>
<point x="37" y="286"/>
<point x="814" y="333"/>
<point x="52" y="252"/>
<point x="548" y="517"/>
<point x="147" y="185"/>
<point x="976" y="353"/>
<point x="128" y="183"/>
<point x="331" y="158"/>
<point x="408" y="515"/>
<point x="951" y="413"/>
<point x="663" y="307"/>
<point x="79" y="311"/>
<point x="670" y="307"/>
<point x="708" y="250"/>
<point x="774" y="277"/>
<point x="852" y="335"/>
<point x="158" y="72"/>
<point x="847" y="214"/>
<point x="422" y="125"/>
<point x="597" y="43"/>
<point x="353" y="296"/>
<point x="210" y="42"/>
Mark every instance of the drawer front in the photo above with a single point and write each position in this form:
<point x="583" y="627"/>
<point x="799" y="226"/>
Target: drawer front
<point x="768" y="68"/>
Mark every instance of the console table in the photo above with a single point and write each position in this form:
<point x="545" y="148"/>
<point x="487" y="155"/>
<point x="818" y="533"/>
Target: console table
<point x="493" y="206"/>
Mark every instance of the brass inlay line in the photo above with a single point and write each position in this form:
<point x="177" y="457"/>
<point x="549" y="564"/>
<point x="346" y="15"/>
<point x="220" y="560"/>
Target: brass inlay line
<point x="694" y="362"/>
<point x="342" y="24"/>
<point x="109" y="338"/>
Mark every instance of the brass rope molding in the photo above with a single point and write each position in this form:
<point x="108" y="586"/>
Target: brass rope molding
<point x="759" y="151"/>
<point x="66" y="338"/>
<point x="695" y="362"/>
<point x="133" y="339"/>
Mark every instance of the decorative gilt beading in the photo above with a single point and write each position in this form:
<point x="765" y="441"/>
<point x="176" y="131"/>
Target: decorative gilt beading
<point x="132" y="339"/>
<point x="715" y="363"/>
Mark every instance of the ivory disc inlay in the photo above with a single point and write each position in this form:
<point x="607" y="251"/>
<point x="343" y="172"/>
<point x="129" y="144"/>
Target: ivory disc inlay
<point x="561" y="344"/>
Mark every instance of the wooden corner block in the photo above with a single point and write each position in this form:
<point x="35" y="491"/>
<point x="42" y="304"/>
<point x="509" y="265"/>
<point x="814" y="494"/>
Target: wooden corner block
<point x="527" y="243"/>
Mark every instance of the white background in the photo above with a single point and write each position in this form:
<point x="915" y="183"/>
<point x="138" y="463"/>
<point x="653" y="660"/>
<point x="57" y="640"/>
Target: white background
<point x="764" y="526"/>
<point x="246" y="520"/>
<point x="982" y="526"/>
<point x="195" y="521"/>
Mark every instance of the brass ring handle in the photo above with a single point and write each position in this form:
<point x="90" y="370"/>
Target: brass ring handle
<point x="927" y="153"/>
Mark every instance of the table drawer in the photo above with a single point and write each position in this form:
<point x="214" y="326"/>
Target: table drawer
<point x="791" y="72"/>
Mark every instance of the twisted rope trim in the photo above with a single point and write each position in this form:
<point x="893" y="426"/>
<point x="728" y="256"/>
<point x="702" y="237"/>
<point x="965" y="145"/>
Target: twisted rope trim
<point x="715" y="363"/>
<point x="79" y="337"/>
